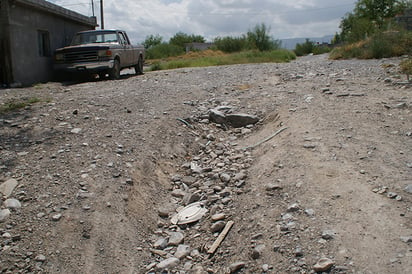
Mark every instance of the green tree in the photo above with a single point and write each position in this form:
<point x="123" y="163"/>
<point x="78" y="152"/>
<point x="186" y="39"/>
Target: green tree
<point x="379" y="11"/>
<point x="152" y="41"/>
<point x="260" y="39"/>
<point x="180" y="39"/>
<point x="369" y="17"/>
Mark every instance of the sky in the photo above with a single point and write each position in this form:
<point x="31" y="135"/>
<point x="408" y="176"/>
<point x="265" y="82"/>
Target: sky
<point x="213" y="18"/>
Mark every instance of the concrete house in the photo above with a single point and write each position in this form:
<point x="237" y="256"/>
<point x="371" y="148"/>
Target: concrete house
<point x="30" y="31"/>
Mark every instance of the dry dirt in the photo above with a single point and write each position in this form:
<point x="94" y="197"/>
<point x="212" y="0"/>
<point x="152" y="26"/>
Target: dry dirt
<point x="95" y="162"/>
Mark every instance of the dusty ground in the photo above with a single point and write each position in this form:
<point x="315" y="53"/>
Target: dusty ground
<point x="102" y="167"/>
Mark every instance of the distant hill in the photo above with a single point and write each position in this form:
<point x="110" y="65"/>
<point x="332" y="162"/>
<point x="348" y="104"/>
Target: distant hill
<point x="291" y="43"/>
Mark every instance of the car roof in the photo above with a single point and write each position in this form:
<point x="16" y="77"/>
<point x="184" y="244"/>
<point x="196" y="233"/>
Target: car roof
<point x="101" y="30"/>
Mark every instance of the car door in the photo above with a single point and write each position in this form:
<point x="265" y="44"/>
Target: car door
<point x="127" y="54"/>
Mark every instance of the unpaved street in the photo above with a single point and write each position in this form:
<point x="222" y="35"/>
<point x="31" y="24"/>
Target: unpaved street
<point x="92" y="175"/>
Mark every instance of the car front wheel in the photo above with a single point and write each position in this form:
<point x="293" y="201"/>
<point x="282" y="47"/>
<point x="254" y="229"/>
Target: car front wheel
<point x="114" y="72"/>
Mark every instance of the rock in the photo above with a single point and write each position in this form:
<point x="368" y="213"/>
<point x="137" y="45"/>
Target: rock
<point x="391" y="195"/>
<point x="218" y="217"/>
<point x="257" y="251"/>
<point x="272" y="187"/>
<point x="265" y="267"/>
<point x="12" y="204"/>
<point x="161" y="243"/>
<point x="241" y="120"/>
<point x="218" y="226"/>
<point x="309" y="146"/>
<point x="191" y="198"/>
<point x="298" y="252"/>
<point x="293" y="207"/>
<point x="324" y="264"/>
<point x="240" y="176"/>
<point x="217" y="116"/>
<point x="182" y="251"/>
<point x="4" y="214"/>
<point x="328" y="234"/>
<point x="163" y="212"/>
<point x="178" y="193"/>
<point x="176" y="238"/>
<point x="310" y="212"/>
<point x="76" y="130"/>
<point x="408" y="189"/>
<point x="189" y="180"/>
<point x="195" y="168"/>
<point x="7" y="187"/>
<point x="236" y="266"/>
<point x="56" y="217"/>
<point x="40" y="258"/>
<point x="224" y="177"/>
<point x="168" y="263"/>
<point x="406" y="239"/>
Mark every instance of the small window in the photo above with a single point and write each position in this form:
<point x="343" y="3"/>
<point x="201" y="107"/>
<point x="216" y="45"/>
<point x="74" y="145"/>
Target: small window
<point x="44" y="43"/>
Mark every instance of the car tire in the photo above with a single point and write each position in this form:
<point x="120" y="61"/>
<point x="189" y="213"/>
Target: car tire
<point x="139" y="66"/>
<point x="114" y="72"/>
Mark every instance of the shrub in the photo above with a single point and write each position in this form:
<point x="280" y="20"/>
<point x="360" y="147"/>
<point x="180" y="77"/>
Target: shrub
<point x="304" y="48"/>
<point x="380" y="45"/>
<point x="230" y="44"/>
<point x="163" y="50"/>
<point x="406" y="67"/>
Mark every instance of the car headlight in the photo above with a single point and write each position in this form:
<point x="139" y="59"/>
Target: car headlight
<point x="105" y="53"/>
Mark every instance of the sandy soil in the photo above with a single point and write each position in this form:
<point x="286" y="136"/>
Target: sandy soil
<point x="103" y="166"/>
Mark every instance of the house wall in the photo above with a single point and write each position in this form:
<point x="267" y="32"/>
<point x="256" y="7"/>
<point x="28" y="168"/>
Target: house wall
<point x="28" y="66"/>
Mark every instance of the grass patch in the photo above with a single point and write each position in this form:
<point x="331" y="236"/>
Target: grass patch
<point x="13" y="105"/>
<point x="218" y="58"/>
<point x="406" y="67"/>
<point x="381" y="45"/>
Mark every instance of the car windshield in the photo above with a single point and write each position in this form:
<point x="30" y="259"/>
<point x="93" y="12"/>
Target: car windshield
<point x="94" y="37"/>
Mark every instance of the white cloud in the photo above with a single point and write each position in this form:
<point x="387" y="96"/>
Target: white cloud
<point x="213" y="18"/>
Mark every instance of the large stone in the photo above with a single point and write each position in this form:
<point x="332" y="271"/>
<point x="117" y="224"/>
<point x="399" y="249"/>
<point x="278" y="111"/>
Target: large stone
<point x="217" y="116"/>
<point x="7" y="187"/>
<point x="241" y="120"/>
<point x="218" y="226"/>
<point x="176" y="238"/>
<point x="12" y="204"/>
<point x="168" y="263"/>
<point x="328" y="234"/>
<point x="324" y="264"/>
<point x="408" y="189"/>
<point x="4" y="214"/>
<point x="236" y="266"/>
<point x="182" y="251"/>
<point x="161" y="243"/>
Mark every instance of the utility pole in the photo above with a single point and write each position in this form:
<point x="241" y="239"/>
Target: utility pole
<point x="101" y="15"/>
<point x="93" y="8"/>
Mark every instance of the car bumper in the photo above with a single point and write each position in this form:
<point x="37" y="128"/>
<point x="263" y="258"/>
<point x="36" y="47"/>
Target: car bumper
<point x="85" y="67"/>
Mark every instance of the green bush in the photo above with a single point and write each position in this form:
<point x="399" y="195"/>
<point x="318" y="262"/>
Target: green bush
<point x="304" y="48"/>
<point x="381" y="45"/>
<point x="163" y="50"/>
<point x="406" y="67"/>
<point x="321" y="49"/>
<point x="230" y="44"/>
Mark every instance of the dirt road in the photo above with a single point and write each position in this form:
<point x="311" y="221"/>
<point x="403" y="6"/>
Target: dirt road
<point x="92" y="175"/>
